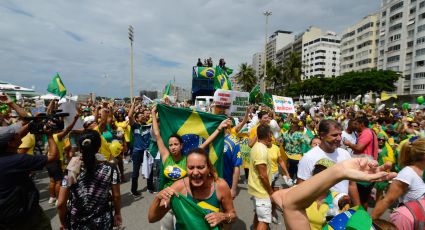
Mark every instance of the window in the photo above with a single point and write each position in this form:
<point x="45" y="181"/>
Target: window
<point x="421" y="28"/>
<point x="419" y="75"/>
<point x="395" y="27"/>
<point x="422" y="4"/>
<point x="419" y="87"/>
<point x="420" y="63"/>
<point x="410" y="33"/>
<point x="420" y="52"/>
<point x="420" y="40"/>
<point x="396" y="6"/>
<point x="364" y="44"/>
<point x="421" y="16"/>
<point x="409" y="44"/>
<point x="412" y="10"/>
<point x="394" y="38"/>
<point x="393" y="48"/>
<point x="384" y="13"/>
<point x="365" y="26"/>
<point x="396" y="16"/>
<point x="393" y="58"/>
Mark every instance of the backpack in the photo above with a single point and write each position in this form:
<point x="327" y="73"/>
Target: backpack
<point x="417" y="212"/>
<point x="19" y="203"/>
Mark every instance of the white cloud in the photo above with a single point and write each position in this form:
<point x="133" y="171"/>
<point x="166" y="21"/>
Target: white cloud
<point x="87" y="43"/>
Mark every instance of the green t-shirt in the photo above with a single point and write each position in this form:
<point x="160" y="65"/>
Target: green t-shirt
<point x="172" y="171"/>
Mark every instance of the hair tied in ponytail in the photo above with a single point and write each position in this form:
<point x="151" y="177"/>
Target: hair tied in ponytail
<point x="86" y="142"/>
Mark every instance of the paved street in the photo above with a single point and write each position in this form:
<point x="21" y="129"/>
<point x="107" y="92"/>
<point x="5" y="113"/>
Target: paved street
<point x="134" y="212"/>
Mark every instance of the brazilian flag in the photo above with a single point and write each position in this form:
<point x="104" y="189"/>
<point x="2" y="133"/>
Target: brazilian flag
<point x="221" y="79"/>
<point x="167" y="90"/>
<point x="194" y="127"/>
<point x="254" y="94"/>
<point x="56" y="86"/>
<point x="268" y="100"/>
<point x="206" y="72"/>
<point x="188" y="214"/>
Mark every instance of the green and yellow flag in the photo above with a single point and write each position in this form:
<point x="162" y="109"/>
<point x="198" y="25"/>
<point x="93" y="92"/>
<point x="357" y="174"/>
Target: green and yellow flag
<point x="268" y="100"/>
<point x="56" y="86"/>
<point x="206" y="72"/>
<point x="254" y="94"/>
<point x="221" y="80"/>
<point x="194" y="128"/>
<point x="167" y="90"/>
<point x="188" y="214"/>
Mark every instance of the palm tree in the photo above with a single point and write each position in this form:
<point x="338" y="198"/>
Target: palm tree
<point x="246" y="77"/>
<point x="292" y="68"/>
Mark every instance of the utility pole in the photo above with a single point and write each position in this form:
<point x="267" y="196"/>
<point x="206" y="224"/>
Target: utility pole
<point x="263" y="81"/>
<point x="131" y="37"/>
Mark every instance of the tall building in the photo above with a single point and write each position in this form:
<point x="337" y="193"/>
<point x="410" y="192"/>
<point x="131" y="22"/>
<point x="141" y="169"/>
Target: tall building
<point x="319" y="51"/>
<point x="277" y="41"/>
<point x="359" y="45"/>
<point x="257" y="64"/>
<point x="402" y="43"/>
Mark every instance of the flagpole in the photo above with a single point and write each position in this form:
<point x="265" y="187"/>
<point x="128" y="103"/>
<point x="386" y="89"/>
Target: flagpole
<point x="131" y="37"/>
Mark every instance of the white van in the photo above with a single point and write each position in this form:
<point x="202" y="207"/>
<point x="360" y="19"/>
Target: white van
<point x="204" y="100"/>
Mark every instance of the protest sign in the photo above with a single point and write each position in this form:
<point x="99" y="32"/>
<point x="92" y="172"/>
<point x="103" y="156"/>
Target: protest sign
<point x="70" y="107"/>
<point x="231" y="103"/>
<point x="283" y="104"/>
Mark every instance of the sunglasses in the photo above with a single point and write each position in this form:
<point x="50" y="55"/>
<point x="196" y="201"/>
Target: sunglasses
<point x="381" y="139"/>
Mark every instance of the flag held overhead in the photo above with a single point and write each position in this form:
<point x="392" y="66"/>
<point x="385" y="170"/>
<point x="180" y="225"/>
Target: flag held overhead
<point x="56" y="86"/>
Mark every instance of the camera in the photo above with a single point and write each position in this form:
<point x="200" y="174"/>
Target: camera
<point x="43" y="123"/>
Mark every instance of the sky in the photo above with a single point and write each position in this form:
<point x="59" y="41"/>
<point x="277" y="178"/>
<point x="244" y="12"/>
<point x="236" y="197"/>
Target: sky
<point x="87" y="43"/>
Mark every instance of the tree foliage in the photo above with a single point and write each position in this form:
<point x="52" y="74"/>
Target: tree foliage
<point x="246" y="77"/>
<point x="351" y="83"/>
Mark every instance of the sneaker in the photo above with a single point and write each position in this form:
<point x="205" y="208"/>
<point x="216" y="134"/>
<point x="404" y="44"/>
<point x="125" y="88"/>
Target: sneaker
<point x="52" y="200"/>
<point x="275" y="220"/>
<point x="136" y="194"/>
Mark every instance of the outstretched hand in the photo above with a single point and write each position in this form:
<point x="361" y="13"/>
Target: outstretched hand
<point x="363" y="169"/>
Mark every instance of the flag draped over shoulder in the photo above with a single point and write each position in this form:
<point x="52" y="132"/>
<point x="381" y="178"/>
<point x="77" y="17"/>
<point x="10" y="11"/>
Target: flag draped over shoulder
<point x="56" y="86"/>
<point x="268" y="100"/>
<point x="188" y="214"/>
<point x="385" y="96"/>
<point x="254" y="94"/>
<point x="194" y="127"/>
<point x="167" y="90"/>
<point x="221" y="79"/>
<point x="206" y="72"/>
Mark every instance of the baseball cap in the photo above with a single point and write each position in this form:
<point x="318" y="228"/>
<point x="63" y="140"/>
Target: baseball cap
<point x="7" y="133"/>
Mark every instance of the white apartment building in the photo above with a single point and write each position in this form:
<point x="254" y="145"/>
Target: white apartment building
<point x="359" y="45"/>
<point x="320" y="53"/>
<point x="277" y="41"/>
<point x="402" y="43"/>
<point x="257" y="64"/>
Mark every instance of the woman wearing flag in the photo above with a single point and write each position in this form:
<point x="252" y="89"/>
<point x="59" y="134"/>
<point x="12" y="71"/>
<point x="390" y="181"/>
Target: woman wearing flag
<point x="173" y="161"/>
<point x="201" y="200"/>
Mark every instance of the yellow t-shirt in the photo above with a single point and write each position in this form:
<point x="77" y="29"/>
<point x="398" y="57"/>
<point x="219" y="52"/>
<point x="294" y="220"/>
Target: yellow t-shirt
<point x="104" y="146"/>
<point x="259" y="155"/>
<point x="274" y="154"/>
<point x="60" y="144"/>
<point x="317" y="216"/>
<point x="28" y="142"/>
<point x="126" y="127"/>
<point x="253" y="134"/>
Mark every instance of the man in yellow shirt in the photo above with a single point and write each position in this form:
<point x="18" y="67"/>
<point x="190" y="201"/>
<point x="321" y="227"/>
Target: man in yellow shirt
<point x="28" y="144"/>
<point x="263" y="118"/>
<point x="259" y="178"/>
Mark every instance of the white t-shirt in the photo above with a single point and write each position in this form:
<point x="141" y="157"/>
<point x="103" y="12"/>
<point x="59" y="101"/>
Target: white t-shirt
<point x="416" y="185"/>
<point x="307" y="162"/>
<point x="349" y="137"/>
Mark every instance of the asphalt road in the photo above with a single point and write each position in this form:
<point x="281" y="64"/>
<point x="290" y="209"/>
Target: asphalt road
<point x="135" y="211"/>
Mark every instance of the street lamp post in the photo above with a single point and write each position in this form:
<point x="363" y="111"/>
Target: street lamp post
<point x="263" y="81"/>
<point x="131" y="37"/>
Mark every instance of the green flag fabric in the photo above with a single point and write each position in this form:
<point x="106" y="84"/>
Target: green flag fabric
<point x="167" y="90"/>
<point x="254" y="94"/>
<point x="206" y="72"/>
<point x="268" y="100"/>
<point x="56" y="86"/>
<point x="188" y="214"/>
<point x="221" y="79"/>
<point x="194" y="128"/>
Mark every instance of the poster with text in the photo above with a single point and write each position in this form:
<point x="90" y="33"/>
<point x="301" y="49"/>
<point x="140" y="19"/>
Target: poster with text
<point x="231" y="103"/>
<point x="283" y="104"/>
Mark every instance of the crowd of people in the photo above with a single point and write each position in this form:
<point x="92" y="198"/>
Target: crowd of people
<point x="321" y="167"/>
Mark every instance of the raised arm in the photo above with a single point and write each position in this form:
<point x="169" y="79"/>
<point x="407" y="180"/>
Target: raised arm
<point x="131" y="112"/>
<point x="68" y="129"/>
<point x="295" y="200"/>
<point x="213" y="135"/>
<point x="163" y="150"/>
<point x="5" y="99"/>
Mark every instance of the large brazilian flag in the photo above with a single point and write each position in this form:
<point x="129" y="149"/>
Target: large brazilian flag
<point x="188" y="214"/>
<point x="194" y="127"/>
<point x="221" y="79"/>
<point x="206" y="72"/>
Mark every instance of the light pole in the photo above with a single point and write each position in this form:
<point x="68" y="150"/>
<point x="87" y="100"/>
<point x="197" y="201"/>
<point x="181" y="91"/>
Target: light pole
<point x="263" y="81"/>
<point x="131" y="37"/>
